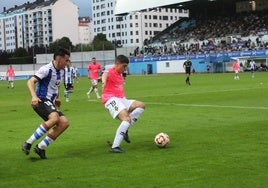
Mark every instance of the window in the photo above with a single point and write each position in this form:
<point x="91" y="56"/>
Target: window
<point x="167" y="64"/>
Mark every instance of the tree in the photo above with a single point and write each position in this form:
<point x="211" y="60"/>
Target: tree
<point x="82" y="48"/>
<point x="64" y="42"/>
<point x="101" y="43"/>
<point x="20" y="52"/>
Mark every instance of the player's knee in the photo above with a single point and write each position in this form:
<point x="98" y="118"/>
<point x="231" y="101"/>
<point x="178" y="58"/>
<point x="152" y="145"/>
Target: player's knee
<point x="128" y="119"/>
<point x="64" y="122"/>
<point x="140" y="104"/>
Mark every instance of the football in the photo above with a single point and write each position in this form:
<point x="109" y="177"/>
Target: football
<point x="161" y="140"/>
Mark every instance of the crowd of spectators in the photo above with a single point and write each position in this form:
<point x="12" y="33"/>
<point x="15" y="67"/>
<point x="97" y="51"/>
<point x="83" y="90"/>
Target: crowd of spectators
<point x="243" y="31"/>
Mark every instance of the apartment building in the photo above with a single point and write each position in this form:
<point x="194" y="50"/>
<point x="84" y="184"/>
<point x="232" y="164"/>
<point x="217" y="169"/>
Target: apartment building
<point x="38" y="24"/>
<point x="85" y="31"/>
<point x="131" y="30"/>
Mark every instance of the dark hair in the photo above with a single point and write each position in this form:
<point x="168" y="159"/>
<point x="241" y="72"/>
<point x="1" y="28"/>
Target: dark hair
<point x="122" y="59"/>
<point x="61" y="52"/>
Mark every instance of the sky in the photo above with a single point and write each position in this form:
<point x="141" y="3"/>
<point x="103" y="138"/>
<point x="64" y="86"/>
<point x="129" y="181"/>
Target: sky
<point x="83" y="5"/>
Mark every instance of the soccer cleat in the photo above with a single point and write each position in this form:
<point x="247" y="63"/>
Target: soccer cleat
<point x="40" y="152"/>
<point x="116" y="150"/>
<point x="126" y="137"/>
<point x="26" y="148"/>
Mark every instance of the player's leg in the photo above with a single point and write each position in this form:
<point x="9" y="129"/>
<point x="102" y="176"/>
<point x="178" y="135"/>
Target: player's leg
<point x="95" y="88"/>
<point x="90" y="89"/>
<point x="188" y="78"/>
<point x="12" y="83"/>
<point x="8" y="82"/>
<point x="55" y="132"/>
<point x="47" y="111"/>
<point x="117" y="110"/>
<point x="123" y="116"/>
<point x="136" y="109"/>
<point x="59" y="127"/>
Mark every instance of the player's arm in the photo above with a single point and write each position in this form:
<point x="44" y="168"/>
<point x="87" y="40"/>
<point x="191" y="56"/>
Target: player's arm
<point x="31" y="87"/>
<point x="104" y="79"/>
<point x="57" y="101"/>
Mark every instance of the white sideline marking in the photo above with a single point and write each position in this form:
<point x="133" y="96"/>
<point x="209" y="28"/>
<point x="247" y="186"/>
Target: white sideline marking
<point x="208" y="105"/>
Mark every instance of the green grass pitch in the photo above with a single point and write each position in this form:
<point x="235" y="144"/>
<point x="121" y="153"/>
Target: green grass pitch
<point x="218" y="129"/>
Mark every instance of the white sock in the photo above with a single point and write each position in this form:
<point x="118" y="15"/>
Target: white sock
<point x="135" y="114"/>
<point x="97" y="92"/>
<point x="121" y="130"/>
<point x="45" y="142"/>
<point x="39" y="132"/>
<point x="90" y="90"/>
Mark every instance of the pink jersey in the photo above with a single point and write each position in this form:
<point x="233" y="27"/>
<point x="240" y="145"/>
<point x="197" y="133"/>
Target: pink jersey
<point x="10" y="73"/>
<point x="236" y="66"/>
<point x="94" y="70"/>
<point x="114" y="85"/>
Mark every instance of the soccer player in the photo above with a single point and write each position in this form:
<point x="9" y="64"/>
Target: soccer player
<point x="94" y="69"/>
<point x="115" y="101"/>
<point x="46" y="103"/>
<point x="76" y="74"/>
<point x="252" y="65"/>
<point x="68" y="81"/>
<point x="10" y="76"/>
<point x="236" y="69"/>
<point x="187" y="65"/>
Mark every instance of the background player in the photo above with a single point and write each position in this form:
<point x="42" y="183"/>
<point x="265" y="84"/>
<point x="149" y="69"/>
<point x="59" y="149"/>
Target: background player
<point x="236" y="68"/>
<point x="187" y="65"/>
<point x="68" y="81"/>
<point x="93" y="73"/>
<point x="10" y="76"/>
<point x="252" y="65"/>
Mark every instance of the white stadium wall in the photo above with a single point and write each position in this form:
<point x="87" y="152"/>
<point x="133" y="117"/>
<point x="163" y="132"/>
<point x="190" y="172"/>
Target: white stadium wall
<point x="170" y="66"/>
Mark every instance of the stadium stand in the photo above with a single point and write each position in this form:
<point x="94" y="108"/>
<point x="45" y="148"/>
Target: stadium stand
<point x="231" y="32"/>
